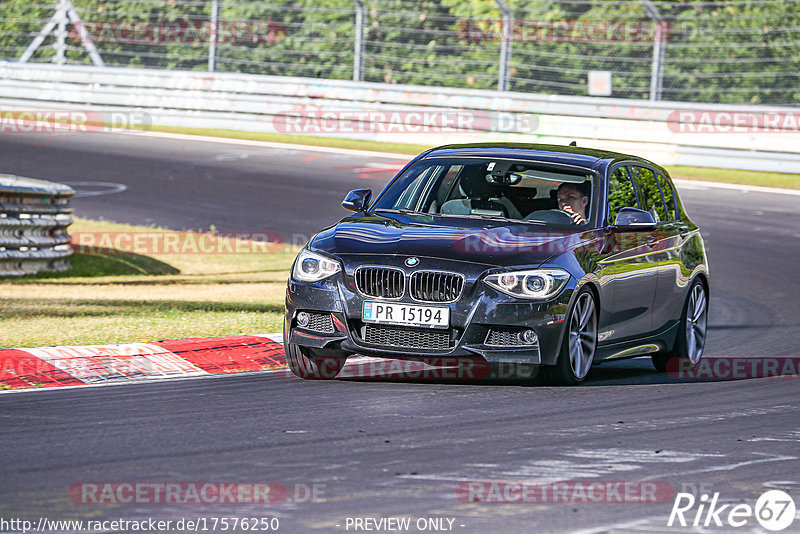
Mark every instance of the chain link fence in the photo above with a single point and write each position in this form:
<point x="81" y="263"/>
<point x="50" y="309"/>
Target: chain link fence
<point x="736" y="51"/>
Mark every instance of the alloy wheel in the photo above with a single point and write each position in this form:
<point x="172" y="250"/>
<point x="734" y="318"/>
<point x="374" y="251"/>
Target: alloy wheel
<point x="582" y="335"/>
<point x="696" y="323"/>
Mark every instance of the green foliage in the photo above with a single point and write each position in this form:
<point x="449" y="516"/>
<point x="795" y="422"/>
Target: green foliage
<point x="714" y="51"/>
<point x="620" y="193"/>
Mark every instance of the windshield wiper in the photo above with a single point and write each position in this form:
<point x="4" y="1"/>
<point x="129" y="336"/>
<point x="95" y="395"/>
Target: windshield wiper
<point x="477" y="216"/>
<point x="398" y="210"/>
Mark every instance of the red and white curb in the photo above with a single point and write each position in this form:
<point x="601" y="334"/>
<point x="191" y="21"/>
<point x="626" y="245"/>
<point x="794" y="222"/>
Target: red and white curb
<point x="92" y="365"/>
<point x="103" y="364"/>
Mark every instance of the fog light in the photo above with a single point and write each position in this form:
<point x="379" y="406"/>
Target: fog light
<point x="302" y="319"/>
<point x="528" y="337"/>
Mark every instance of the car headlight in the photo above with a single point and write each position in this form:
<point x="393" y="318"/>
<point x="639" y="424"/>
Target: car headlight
<point x="539" y="284"/>
<point x="312" y="267"/>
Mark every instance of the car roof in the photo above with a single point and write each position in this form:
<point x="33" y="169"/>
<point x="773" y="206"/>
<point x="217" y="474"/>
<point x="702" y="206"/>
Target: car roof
<point x="570" y="155"/>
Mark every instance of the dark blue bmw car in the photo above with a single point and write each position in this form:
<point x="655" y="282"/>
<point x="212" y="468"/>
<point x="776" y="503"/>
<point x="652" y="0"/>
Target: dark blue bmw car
<point x="550" y="258"/>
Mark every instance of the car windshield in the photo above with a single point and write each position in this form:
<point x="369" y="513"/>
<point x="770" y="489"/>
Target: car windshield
<point x="495" y="189"/>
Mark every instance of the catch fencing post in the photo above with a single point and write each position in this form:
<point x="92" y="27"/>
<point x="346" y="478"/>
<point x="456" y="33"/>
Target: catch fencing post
<point x="64" y="12"/>
<point x="61" y="33"/>
<point x="505" y="45"/>
<point x="659" y="44"/>
<point x="358" y="52"/>
<point x="212" y="44"/>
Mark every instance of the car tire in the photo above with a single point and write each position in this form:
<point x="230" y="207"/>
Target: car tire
<point x="579" y="345"/>
<point x="691" y="339"/>
<point x="302" y="362"/>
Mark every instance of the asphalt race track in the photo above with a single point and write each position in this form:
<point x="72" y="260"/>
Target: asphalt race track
<point x="384" y="447"/>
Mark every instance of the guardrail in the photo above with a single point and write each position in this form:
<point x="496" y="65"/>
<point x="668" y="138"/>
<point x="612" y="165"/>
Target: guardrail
<point x="252" y="102"/>
<point x="34" y="216"/>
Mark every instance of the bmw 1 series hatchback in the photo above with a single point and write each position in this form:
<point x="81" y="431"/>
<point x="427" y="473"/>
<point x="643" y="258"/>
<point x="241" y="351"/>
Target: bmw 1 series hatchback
<point x="550" y="257"/>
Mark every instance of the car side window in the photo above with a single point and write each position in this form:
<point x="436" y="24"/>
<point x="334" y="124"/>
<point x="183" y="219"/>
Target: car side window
<point x="668" y="192"/>
<point x="620" y="193"/>
<point x="649" y="192"/>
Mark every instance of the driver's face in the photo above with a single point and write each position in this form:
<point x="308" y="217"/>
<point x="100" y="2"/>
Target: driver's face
<point x="569" y="196"/>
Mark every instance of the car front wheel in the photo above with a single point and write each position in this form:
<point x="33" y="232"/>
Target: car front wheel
<point x="580" y="342"/>
<point x="304" y="363"/>
<point x="692" y="331"/>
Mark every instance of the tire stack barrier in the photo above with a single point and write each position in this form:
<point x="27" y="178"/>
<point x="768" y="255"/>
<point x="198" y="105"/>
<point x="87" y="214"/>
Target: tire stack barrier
<point x="34" y="216"/>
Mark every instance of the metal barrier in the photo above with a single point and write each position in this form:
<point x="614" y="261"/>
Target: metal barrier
<point x="735" y="51"/>
<point x="34" y="216"/>
<point x="253" y="102"/>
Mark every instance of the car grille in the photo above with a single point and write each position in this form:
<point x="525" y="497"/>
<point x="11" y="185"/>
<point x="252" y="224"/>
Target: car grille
<point x="407" y="338"/>
<point x="320" y="322"/>
<point x="436" y="286"/>
<point x="380" y="282"/>
<point x="505" y="338"/>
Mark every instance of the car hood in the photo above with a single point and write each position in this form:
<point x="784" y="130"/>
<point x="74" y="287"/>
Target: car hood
<point x="484" y="241"/>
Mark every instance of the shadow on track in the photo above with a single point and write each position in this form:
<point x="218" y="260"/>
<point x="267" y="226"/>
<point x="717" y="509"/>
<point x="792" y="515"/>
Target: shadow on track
<point x="631" y="372"/>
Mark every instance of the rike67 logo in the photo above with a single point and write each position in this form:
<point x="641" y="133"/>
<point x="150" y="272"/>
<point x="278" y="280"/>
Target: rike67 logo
<point x="774" y="510"/>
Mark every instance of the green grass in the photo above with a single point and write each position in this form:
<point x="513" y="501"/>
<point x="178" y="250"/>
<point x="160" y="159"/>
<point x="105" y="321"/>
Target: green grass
<point x="354" y="144"/>
<point x="113" y="296"/>
<point x="767" y="179"/>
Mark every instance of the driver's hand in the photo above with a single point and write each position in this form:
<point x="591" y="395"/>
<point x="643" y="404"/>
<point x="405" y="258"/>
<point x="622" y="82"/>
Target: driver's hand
<point x="576" y="217"/>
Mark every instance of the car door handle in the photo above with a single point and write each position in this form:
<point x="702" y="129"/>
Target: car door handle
<point x="651" y="242"/>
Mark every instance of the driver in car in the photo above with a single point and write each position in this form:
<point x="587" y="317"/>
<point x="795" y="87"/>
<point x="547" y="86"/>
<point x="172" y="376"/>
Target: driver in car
<point x="573" y="199"/>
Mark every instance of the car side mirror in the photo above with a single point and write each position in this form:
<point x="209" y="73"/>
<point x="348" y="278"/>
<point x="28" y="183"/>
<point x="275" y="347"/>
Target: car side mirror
<point x="357" y="200"/>
<point x="634" y="219"/>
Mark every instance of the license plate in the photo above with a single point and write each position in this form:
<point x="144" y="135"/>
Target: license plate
<point x="405" y="314"/>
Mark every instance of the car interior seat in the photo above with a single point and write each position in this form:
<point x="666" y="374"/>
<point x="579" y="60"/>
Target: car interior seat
<point x="479" y="195"/>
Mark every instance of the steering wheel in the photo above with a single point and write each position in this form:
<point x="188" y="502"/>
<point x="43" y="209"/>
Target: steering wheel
<point x="550" y="216"/>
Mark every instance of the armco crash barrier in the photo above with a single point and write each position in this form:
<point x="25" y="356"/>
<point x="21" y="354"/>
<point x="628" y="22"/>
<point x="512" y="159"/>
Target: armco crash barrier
<point x="141" y="98"/>
<point x="34" y="216"/>
<point x="97" y="364"/>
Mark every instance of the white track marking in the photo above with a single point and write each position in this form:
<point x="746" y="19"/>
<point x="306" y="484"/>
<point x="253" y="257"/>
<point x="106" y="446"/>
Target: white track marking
<point x="269" y="144"/>
<point x="129" y="361"/>
<point x="644" y="455"/>
<point x="604" y="428"/>
<point x="793" y="436"/>
<point x="648" y="524"/>
<point x="689" y="184"/>
<point x="110" y="188"/>
<point x="730" y="467"/>
<point x="580" y="464"/>
<point x="699" y="184"/>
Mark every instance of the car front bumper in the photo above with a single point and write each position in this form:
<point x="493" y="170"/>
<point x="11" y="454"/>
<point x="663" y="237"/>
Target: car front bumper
<point x="479" y="309"/>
